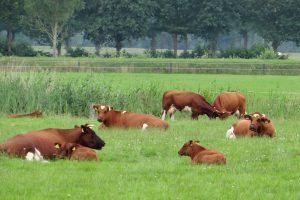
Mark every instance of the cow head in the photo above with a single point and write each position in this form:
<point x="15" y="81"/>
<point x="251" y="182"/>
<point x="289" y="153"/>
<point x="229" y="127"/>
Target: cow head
<point x="258" y="124"/>
<point x="65" y="150"/>
<point x="102" y="111"/>
<point x="89" y="138"/>
<point x="190" y="148"/>
<point x="220" y="114"/>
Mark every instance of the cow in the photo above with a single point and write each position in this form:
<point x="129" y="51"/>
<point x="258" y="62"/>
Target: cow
<point x="200" y="154"/>
<point x="33" y="114"/>
<point x="230" y="103"/>
<point x="252" y="125"/>
<point x="188" y="101"/>
<point x="41" y="141"/>
<point x="73" y="151"/>
<point x="123" y="119"/>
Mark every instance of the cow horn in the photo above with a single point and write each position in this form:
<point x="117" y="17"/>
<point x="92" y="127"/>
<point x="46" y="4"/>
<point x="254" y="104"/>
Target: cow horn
<point x="90" y="126"/>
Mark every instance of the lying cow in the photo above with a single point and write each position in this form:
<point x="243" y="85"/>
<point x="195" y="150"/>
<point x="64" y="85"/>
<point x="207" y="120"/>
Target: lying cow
<point x="73" y="151"/>
<point x="188" y="101"/>
<point x="255" y="125"/>
<point x="201" y="155"/>
<point x="24" y="145"/>
<point x="230" y="103"/>
<point x="33" y="114"/>
<point x="123" y="119"/>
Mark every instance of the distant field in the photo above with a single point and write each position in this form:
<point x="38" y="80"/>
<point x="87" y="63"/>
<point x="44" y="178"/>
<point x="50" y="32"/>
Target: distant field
<point x="146" y="165"/>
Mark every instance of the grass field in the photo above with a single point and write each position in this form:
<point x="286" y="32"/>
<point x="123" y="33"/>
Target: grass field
<point x="145" y="165"/>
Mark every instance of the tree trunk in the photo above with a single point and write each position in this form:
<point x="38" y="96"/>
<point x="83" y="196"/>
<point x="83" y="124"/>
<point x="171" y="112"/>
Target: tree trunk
<point x="118" y="47"/>
<point x="245" y="37"/>
<point x="174" y="35"/>
<point x="97" y="48"/>
<point x="185" y="38"/>
<point x="54" y="39"/>
<point x="153" y="42"/>
<point x="275" y="45"/>
<point x="59" y="48"/>
<point x="212" y="46"/>
<point x="10" y="40"/>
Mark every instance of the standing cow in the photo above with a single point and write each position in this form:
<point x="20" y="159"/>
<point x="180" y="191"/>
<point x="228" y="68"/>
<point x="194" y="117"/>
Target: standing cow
<point x="41" y="142"/>
<point x="230" y="103"/>
<point x="123" y="119"/>
<point x="189" y="101"/>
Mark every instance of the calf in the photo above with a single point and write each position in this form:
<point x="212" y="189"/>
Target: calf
<point x="123" y="119"/>
<point x="33" y="114"/>
<point x="74" y="151"/>
<point x="230" y="103"/>
<point x="189" y="101"/>
<point x="201" y="155"/>
<point x="253" y="125"/>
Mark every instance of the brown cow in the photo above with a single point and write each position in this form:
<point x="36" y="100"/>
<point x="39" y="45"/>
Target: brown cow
<point x="74" y="151"/>
<point x="189" y="101"/>
<point x="201" y="155"/>
<point x="33" y="114"/>
<point x="123" y="119"/>
<point x="230" y="103"/>
<point x="41" y="142"/>
<point x="255" y="125"/>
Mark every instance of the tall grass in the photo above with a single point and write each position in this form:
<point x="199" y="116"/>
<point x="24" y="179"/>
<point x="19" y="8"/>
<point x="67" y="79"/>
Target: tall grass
<point x="55" y="93"/>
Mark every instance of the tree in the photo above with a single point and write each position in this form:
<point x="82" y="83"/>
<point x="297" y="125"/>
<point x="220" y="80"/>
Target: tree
<point x="50" y="17"/>
<point x="270" y="17"/>
<point x="10" y="17"/>
<point x="175" y="18"/>
<point x="212" y="18"/>
<point x="119" y="20"/>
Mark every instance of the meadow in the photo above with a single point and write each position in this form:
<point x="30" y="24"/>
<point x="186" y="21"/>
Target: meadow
<point x="139" y="164"/>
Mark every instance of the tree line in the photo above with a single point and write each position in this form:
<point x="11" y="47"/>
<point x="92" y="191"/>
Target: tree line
<point x="115" y="21"/>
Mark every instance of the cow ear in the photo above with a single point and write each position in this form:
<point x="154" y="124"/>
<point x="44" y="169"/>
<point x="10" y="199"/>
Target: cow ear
<point x="95" y="107"/>
<point x="110" y="108"/>
<point x="57" y="145"/>
<point x="265" y="120"/>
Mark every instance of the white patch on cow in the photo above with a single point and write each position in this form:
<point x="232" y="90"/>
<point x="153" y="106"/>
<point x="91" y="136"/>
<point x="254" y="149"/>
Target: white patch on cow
<point x="163" y="117"/>
<point x="263" y="115"/>
<point x="230" y="133"/>
<point x="35" y="156"/>
<point x="123" y="112"/>
<point x="145" y="126"/>
<point x="172" y="111"/>
<point x="109" y="108"/>
<point x="255" y="115"/>
<point x="102" y="107"/>
<point x="237" y="113"/>
<point x="187" y="108"/>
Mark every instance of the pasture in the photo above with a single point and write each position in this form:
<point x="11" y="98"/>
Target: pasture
<point x="145" y="165"/>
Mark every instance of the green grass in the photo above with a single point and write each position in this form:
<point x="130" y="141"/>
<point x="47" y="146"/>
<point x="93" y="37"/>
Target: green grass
<point x="145" y="165"/>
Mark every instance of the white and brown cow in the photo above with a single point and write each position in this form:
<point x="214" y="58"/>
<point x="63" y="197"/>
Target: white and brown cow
<point x="37" y="145"/>
<point x="252" y="125"/>
<point x="123" y="119"/>
<point x="186" y="101"/>
<point x="230" y="103"/>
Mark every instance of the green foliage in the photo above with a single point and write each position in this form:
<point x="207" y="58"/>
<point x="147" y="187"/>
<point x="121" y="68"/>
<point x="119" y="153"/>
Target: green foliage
<point x="199" y="51"/>
<point x="235" y="52"/>
<point x="168" y="54"/>
<point x="269" y="54"/>
<point x="77" y="52"/>
<point x="18" y="49"/>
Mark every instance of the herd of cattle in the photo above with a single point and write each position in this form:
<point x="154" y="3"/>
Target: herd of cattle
<point x="79" y="142"/>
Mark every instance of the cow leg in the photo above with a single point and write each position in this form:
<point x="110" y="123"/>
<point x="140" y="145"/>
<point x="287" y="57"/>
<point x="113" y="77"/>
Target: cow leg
<point x="172" y="111"/>
<point x="164" y="113"/>
<point x="237" y="114"/>
<point x="230" y="133"/>
<point x="195" y="115"/>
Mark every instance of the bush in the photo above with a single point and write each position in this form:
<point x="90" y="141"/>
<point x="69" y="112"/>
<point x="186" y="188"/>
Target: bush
<point x="186" y="54"/>
<point x="269" y="54"/>
<point x="126" y="54"/>
<point x="152" y="53"/>
<point x="236" y="52"/>
<point x="199" y="51"/>
<point x="168" y="54"/>
<point x="18" y="49"/>
<point x="107" y="55"/>
<point x="78" y="52"/>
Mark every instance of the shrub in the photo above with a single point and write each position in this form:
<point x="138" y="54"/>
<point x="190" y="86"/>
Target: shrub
<point x="78" y="52"/>
<point x="18" y="49"/>
<point x="107" y="55"/>
<point x="152" y="53"/>
<point x="199" y="51"/>
<point x="236" y="52"/>
<point x="168" y="54"/>
<point x="186" y="54"/>
<point x="269" y="54"/>
<point x="126" y="54"/>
